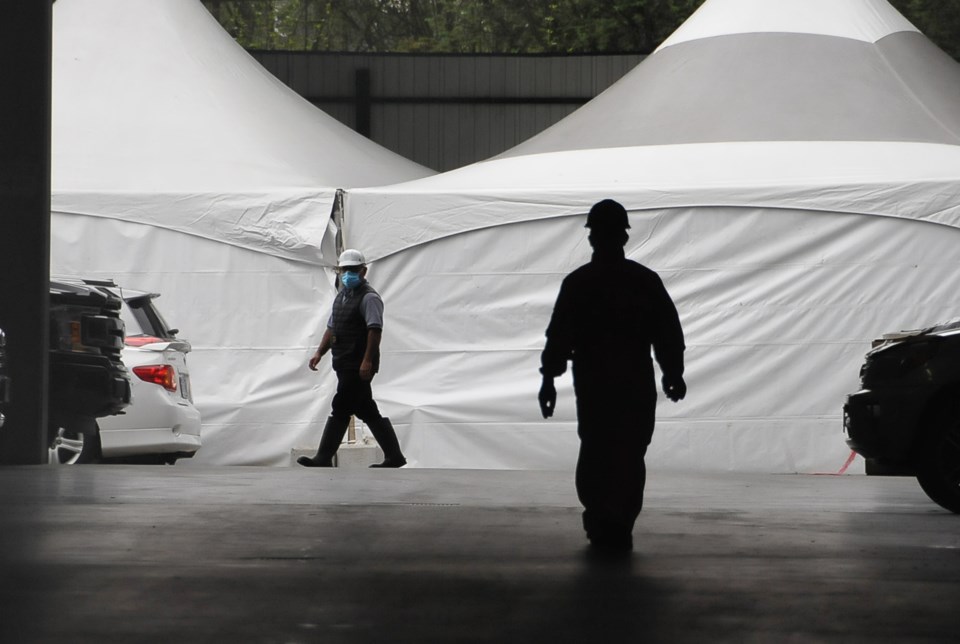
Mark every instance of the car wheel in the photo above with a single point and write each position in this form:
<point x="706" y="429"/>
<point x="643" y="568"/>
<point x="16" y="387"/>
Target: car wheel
<point x="939" y="471"/>
<point x="72" y="446"/>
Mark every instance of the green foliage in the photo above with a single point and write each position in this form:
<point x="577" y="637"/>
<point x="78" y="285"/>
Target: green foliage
<point x="458" y="26"/>
<point x="938" y="19"/>
<point x="496" y="26"/>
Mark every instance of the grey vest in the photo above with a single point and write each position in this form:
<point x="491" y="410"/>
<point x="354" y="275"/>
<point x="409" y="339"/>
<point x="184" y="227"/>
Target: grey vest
<point x="350" y="331"/>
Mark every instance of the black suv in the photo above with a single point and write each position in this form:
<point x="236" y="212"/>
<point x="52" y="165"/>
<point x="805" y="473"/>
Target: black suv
<point x="88" y="379"/>
<point x="906" y="417"/>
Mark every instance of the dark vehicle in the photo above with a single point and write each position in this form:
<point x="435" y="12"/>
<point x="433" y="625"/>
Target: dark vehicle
<point x="88" y="379"/>
<point x="4" y="378"/>
<point x="906" y="417"/>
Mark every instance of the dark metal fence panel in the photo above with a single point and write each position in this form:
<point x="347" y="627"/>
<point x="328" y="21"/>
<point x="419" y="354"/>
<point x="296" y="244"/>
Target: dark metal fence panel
<point x="445" y="111"/>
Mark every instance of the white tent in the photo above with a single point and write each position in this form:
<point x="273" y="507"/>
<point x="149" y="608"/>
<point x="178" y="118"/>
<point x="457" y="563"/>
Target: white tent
<point x="181" y="166"/>
<point x="791" y="169"/>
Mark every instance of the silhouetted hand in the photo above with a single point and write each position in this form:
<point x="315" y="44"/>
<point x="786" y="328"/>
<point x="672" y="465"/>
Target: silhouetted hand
<point x="314" y="361"/>
<point x="547" y="397"/>
<point x="674" y="387"/>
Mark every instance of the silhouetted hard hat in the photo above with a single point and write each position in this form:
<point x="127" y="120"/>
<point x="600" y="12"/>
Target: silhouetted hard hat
<point x="351" y="257"/>
<point x="607" y="214"/>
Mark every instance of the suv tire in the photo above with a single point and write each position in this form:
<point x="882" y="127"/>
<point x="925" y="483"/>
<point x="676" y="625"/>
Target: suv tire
<point x="938" y="469"/>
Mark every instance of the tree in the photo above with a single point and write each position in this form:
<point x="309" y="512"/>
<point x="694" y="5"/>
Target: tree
<point x="496" y="26"/>
<point x="938" y="19"/>
<point x="459" y="26"/>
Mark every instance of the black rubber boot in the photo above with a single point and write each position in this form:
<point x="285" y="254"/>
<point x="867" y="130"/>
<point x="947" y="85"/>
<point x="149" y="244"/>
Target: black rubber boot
<point x="330" y="441"/>
<point x="382" y="430"/>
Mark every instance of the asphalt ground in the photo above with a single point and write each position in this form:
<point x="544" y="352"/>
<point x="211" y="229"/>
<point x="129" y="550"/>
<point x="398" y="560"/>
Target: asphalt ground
<point x="109" y="553"/>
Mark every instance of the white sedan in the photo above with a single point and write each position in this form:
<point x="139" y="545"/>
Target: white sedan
<point x="161" y="424"/>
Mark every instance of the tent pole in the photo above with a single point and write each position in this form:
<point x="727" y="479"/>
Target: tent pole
<point x="337" y="216"/>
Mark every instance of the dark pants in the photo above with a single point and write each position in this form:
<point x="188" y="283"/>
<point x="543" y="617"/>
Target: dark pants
<point x="615" y="425"/>
<point x="354" y="397"/>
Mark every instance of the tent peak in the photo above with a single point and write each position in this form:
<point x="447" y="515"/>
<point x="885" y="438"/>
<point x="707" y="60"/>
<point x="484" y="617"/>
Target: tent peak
<point x="864" y="20"/>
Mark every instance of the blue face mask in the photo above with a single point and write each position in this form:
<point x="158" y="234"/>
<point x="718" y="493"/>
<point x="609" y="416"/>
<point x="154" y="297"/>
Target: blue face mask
<point x="350" y="279"/>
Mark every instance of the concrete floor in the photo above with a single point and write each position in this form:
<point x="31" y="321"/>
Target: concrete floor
<point x="191" y="554"/>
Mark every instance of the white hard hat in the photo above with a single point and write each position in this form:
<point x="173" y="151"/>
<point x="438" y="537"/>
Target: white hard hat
<point x="351" y="257"/>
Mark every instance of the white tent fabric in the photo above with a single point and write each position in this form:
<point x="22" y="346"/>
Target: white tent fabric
<point x="156" y="106"/>
<point x="789" y="232"/>
<point x="181" y="166"/>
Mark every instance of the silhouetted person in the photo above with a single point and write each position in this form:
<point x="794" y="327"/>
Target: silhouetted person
<point x="353" y="335"/>
<point x="608" y="315"/>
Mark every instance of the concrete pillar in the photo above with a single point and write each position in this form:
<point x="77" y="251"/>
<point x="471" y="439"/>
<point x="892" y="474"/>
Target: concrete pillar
<point x="25" y="48"/>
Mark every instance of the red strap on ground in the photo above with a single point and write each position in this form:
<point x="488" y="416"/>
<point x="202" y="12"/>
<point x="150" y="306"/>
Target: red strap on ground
<point x="842" y="470"/>
<point x="850" y="459"/>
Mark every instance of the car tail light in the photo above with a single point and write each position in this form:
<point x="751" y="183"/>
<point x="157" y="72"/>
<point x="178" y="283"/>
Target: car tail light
<point x="159" y="374"/>
<point x="141" y="340"/>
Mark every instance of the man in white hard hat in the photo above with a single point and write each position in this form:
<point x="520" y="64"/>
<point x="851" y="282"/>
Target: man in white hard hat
<point x="353" y="337"/>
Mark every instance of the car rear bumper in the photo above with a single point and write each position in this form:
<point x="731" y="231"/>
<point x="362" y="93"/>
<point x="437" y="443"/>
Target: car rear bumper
<point x="136" y="442"/>
<point x="161" y="427"/>
<point x="86" y="385"/>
